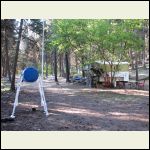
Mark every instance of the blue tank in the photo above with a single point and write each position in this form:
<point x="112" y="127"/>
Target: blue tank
<point x="30" y="74"/>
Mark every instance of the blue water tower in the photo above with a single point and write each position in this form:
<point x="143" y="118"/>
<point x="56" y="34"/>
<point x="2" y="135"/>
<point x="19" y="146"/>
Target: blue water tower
<point x="30" y="74"/>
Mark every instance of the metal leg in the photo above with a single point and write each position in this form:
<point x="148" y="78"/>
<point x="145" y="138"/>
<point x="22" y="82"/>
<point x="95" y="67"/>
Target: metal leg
<point x="43" y="97"/>
<point x="16" y="97"/>
<point x="45" y="105"/>
<point x="42" y="102"/>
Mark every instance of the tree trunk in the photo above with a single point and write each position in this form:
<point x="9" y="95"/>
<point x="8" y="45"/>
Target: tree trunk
<point x="76" y="61"/>
<point x="60" y="65"/>
<point x="83" y="73"/>
<point x="5" y="68"/>
<point x="55" y="64"/>
<point x="16" y="57"/>
<point x="46" y="60"/>
<point x="144" y="65"/>
<point x="2" y="66"/>
<point x="7" y="57"/>
<point x="136" y="66"/>
<point x="67" y="68"/>
<point x="131" y="56"/>
<point x="111" y="75"/>
<point x="52" y="63"/>
<point x="144" y="49"/>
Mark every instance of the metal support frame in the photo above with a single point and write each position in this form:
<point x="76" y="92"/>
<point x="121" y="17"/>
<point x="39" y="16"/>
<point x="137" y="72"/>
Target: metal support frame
<point x="41" y="90"/>
<point x="40" y="83"/>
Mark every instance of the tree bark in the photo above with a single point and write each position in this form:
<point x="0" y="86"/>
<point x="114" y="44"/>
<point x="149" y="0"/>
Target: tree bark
<point x="46" y="60"/>
<point x="82" y="60"/>
<point x="5" y="67"/>
<point x="131" y="56"/>
<point x="55" y="64"/>
<point x="136" y="66"/>
<point x="111" y="75"/>
<point x="16" y="57"/>
<point x="144" y="49"/>
<point x="60" y="65"/>
<point x="144" y="65"/>
<point x="7" y="57"/>
<point x="67" y="68"/>
<point x="52" y="62"/>
<point x="76" y="61"/>
<point x="2" y="65"/>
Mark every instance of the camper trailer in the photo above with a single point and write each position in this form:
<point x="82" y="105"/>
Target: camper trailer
<point x="121" y="73"/>
<point x="121" y="70"/>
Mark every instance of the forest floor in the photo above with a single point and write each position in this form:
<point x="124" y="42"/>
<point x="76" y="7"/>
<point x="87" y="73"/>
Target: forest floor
<point x="74" y="107"/>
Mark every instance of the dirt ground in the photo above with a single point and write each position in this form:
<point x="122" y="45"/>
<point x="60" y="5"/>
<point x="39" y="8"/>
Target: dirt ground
<point x="74" y="107"/>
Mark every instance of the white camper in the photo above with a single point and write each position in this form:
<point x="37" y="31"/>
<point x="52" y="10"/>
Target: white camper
<point x="121" y="74"/>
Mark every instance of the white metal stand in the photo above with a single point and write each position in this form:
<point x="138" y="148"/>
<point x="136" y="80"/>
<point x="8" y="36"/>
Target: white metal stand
<point x="41" y="90"/>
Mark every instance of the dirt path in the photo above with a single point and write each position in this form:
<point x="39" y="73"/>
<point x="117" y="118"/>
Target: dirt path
<point x="78" y="108"/>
